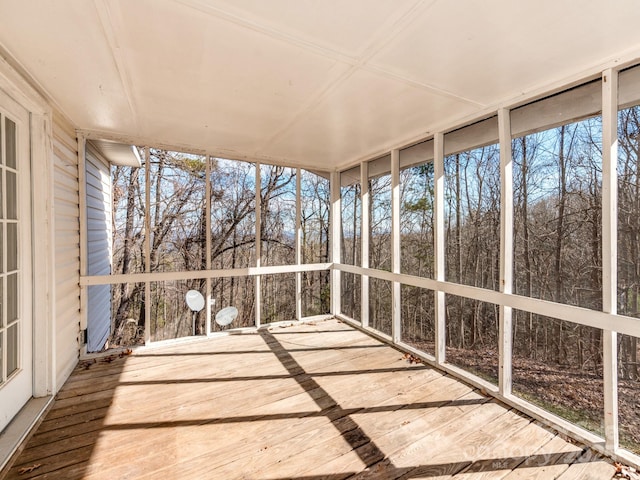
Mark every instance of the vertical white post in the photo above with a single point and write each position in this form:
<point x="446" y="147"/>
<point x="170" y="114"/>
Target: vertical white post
<point x="43" y="235"/>
<point x="298" y="245"/>
<point x="396" y="325"/>
<point x="82" y="200"/>
<point x="207" y="206"/>
<point x="505" y="335"/>
<point x="365" y="222"/>
<point x="335" y="222"/>
<point x="610" y="251"/>
<point x="440" y="247"/>
<point x="147" y="244"/>
<point x="258" y="247"/>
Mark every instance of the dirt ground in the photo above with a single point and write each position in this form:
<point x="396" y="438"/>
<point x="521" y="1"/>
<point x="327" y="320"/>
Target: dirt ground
<point x="571" y="393"/>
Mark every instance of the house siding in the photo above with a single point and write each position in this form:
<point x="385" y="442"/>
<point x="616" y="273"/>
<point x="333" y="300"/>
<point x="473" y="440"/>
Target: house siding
<point x="67" y="249"/>
<point x="98" y="204"/>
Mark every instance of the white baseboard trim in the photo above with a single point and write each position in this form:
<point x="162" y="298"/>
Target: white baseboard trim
<point x="20" y="428"/>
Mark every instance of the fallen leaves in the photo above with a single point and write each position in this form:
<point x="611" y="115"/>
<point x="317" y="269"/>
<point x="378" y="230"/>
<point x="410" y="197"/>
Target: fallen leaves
<point x="29" y="469"/>
<point x="86" y="364"/>
<point x="627" y="473"/>
<point x="412" y="359"/>
<point x="111" y="358"/>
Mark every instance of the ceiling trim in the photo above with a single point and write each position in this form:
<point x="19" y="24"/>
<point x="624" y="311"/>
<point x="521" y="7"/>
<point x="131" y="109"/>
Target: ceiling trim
<point x="117" y="154"/>
<point x="618" y="62"/>
<point x="352" y="58"/>
<point x="213" y="152"/>
<point x="20" y="84"/>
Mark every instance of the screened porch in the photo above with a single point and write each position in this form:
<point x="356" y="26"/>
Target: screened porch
<point x="452" y="185"/>
<point x="481" y="250"/>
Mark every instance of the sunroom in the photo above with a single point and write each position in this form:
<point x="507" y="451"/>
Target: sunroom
<point x="306" y="239"/>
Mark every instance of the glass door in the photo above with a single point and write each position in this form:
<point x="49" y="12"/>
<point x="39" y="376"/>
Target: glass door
<point x="16" y="373"/>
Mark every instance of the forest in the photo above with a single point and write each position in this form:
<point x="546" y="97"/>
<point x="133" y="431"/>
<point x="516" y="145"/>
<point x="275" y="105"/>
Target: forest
<point x="177" y="241"/>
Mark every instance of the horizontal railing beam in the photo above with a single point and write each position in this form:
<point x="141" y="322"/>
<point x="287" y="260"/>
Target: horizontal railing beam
<point x="570" y="313"/>
<point x="199" y="274"/>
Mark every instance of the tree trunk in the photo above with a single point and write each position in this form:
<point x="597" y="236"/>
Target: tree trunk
<point x="526" y="242"/>
<point x="459" y="249"/>
<point x="125" y="293"/>
<point x="562" y="192"/>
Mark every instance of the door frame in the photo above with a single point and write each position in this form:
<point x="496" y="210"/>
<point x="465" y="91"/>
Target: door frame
<point x="18" y="85"/>
<point x="18" y="389"/>
<point x="14" y="84"/>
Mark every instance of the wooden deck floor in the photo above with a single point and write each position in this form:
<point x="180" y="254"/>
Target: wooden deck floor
<point x="318" y="401"/>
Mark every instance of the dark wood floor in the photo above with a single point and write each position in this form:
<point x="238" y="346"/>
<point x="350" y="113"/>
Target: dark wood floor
<point x="315" y="401"/>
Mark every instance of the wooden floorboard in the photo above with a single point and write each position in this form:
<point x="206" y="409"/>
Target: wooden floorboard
<point x="312" y="401"/>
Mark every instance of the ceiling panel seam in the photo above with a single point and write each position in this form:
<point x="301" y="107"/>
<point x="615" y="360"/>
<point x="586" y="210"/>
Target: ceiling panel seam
<point x="406" y="19"/>
<point x="106" y="22"/>
<point x="362" y="77"/>
<point x="388" y="31"/>
<point x="391" y="30"/>
<point x="377" y="41"/>
<point x="423" y="86"/>
<point x="314" y="100"/>
<point x="386" y="35"/>
<point x="268" y="31"/>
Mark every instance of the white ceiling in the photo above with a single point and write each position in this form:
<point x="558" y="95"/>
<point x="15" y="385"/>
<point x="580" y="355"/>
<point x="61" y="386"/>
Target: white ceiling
<point x="317" y="83"/>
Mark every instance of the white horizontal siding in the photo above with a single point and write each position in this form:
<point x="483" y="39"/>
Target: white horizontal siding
<point x="98" y="205"/>
<point x="67" y="239"/>
<point x="65" y="251"/>
<point x="65" y="296"/>
<point x="66" y="355"/>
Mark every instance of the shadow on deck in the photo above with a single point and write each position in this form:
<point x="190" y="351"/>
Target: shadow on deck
<point x="315" y="401"/>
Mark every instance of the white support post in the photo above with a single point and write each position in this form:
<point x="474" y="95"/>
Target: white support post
<point x="258" y="248"/>
<point x="365" y="222"/>
<point x="505" y="335"/>
<point x="82" y="201"/>
<point x="207" y="206"/>
<point x="610" y="251"/>
<point x="335" y="222"/>
<point x="396" y="325"/>
<point x="440" y="247"/>
<point x="43" y="264"/>
<point x="147" y="313"/>
<point x="147" y="244"/>
<point x="298" y="245"/>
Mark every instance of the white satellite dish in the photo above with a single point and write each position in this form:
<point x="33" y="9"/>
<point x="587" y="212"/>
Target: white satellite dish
<point x="195" y="300"/>
<point x="227" y="315"/>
